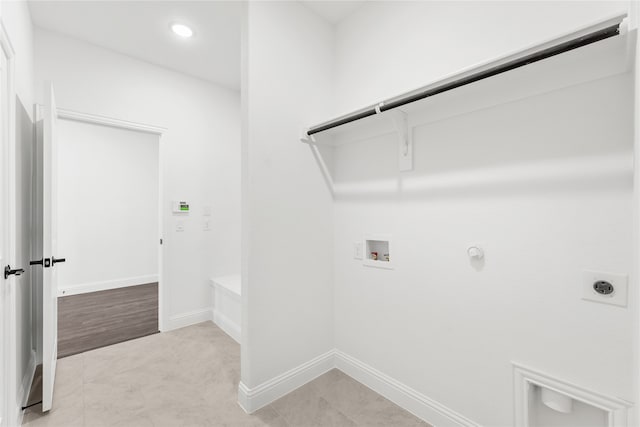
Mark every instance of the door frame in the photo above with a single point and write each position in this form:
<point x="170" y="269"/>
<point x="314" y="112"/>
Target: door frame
<point x="154" y="130"/>
<point x="634" y="25"/>
<point x="8" y="395"/>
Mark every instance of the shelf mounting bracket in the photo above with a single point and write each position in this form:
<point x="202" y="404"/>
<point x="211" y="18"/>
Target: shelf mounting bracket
<point x="306" y="138"/>
<point x="405" y="140"/>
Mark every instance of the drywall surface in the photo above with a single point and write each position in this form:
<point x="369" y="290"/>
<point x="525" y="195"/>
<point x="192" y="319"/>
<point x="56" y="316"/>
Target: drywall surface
<point x="544" y="185"/>
<point x="410" y="44"/>
<point x="200" y="152"/>
<point x="17" y="22"/>
<point x="108" y="188"/>
<point x="287" y="208"/>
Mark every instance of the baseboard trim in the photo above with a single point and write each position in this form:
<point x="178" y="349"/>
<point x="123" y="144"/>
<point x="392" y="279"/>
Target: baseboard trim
<point x="84" y="288"/>
<point x="227" y="325"/>
<point x="25" y="386"/>
<point x="402" y="395"/>
<point x="252" y="399"/>
<point x="431" y="411"/>
<point x="187" y="319"/>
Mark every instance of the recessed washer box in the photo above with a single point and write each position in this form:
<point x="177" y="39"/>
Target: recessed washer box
<point x="378" y="251"/>
<point x="618" y="281"/>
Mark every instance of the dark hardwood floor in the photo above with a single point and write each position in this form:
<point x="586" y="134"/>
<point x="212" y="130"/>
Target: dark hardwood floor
<point x="97" y="319"/>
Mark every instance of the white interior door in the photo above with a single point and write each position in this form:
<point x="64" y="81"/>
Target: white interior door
<point x="4" y="244"/>
<point x="8" y="377"/>
<point x="49" y="249"/>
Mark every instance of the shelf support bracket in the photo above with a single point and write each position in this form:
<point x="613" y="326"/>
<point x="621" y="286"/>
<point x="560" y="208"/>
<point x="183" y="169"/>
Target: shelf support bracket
<point x="305" y="138"/>
<point x="405" y="140"/>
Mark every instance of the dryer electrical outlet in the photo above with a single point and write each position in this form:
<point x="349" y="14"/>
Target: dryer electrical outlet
<point x="605" y="288"/>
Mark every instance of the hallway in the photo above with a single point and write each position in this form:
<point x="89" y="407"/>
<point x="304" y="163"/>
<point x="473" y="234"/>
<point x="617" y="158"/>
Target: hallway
<point x="189" y="377"/>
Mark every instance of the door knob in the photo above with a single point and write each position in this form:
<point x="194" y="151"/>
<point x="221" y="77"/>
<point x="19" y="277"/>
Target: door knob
<point x="45" y="262"/>
<point x="8" y="271"/>
<point x="55" y="260"/>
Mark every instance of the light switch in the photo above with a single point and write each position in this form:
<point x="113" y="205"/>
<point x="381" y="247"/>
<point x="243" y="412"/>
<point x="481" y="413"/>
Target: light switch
<point x="357" y="250"/>
<point x="179" y="226"/>
<point x="207" y="224"/>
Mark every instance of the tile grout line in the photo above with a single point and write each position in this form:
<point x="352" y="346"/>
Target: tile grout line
<point x="226" y="371"/>
<point x="341" y="412"/>
<point x="278" y="413"/>
<point x="324" y="396"/>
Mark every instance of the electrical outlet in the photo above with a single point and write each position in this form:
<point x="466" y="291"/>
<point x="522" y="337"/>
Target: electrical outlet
<point x="358" y="251"/>
<point x="605" y="288"/>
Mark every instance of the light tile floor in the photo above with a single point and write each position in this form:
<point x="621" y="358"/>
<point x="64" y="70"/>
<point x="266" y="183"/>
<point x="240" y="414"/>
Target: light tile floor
<point x="189" y="377"/>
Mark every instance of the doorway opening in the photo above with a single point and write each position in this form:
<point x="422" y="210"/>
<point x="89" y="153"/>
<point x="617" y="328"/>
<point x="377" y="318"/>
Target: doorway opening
<point x="108" y="228"/>
<point x="104" y="218"/>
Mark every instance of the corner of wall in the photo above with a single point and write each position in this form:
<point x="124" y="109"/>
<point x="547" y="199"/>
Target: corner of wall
<point x="253" y="398"/>
<point x="189" y="318"/>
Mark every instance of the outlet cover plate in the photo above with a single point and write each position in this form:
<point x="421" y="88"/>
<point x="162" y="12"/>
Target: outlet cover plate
<point x="619" y="282"/>
<point x="358" y="250"/>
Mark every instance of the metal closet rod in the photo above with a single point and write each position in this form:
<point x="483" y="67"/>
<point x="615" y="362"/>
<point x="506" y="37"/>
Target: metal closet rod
<point x="499" y="69"/>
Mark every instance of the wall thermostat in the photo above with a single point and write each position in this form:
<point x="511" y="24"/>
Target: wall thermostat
<point x="180" y="207"/>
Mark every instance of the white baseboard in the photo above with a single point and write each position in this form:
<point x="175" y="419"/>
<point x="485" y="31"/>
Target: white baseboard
<point x="84" y="288"/>
<point x="433" y="412"/>
<point x="252" y="399"/>
<point x="190" y="318"/>
<point x="231" y="328"/>
<point x="25" y="386"/>
<point x="402" y="395"/>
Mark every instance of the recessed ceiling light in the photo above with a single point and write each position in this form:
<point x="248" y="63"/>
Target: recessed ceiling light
<point x="182" y="30"/>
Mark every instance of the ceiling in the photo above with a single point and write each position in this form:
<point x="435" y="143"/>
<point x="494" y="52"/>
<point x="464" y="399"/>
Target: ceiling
<point x="141" y="29"/>
<point x="333" y="11"/>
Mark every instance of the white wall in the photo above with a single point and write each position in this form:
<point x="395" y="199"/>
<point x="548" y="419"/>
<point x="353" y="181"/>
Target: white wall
<point x="287" y="232"/>
<point x="17" y="21"/>
<point x="108" y="186"/>
<point x="544" y="184"/>
<point x="200" y="154"/>
<point x="410" y="44"/>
